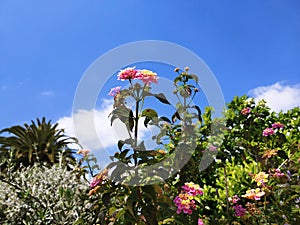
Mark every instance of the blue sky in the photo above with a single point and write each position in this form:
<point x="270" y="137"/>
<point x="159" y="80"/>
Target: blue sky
<point x="252" y="47"/>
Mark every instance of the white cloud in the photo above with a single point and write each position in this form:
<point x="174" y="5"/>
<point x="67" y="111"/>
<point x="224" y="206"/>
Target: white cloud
<point x="279" y="96"/>
<point x="47" y="93"/>
<point x="93" y="128"/>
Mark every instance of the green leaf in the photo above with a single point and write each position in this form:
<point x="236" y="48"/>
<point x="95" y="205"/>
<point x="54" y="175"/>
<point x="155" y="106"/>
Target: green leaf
<point x="120" y="144"/>
<point x="177" y="79"/>
<point x="131" y="121"/>
<point x="194" y="77"/>
<point x="106" y="199"/>
<point x="162" y="98"/>
<point x="150" y="113"/>
<point x="146" y="121"/>
<point x="124" y="153"/>
<point x="175" y="116"/>
<point x="282" y="154"/>
<point x="163" y="118"/>
<point x="150" y="214"/>
<point x="199" y="112"/>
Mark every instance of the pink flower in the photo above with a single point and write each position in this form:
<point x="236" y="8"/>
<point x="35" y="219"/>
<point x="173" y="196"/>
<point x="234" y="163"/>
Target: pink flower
<point x="95" y="181"/>
<point x="129" y="73"/>
<point x="185" y="201"/>
<point x="277" y="125"/>
<point x="278" y="173"/>
<point x="246" y="111"/>
<point x="192" y="189"/>
<point x="114" y="91"/>
<point x="147" y="76"/>
<point x="254" y="194"/>
<point x="268" y="132"/>
<point x="83" y="152"/>
<point x="239" y="210"/>
<point x="99" y="178"/>
<point x="213" y="148"/>
<point x="234" y="199"/>
<point x="200" y="222"/>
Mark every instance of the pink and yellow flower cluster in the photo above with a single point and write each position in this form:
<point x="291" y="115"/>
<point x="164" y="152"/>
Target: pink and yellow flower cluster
<point x="254" y="194"/>
<point x="185" y="201"/>
<point x="246" y="111"/>
<point x="130" y="73"/>
<point x="261" y="178"/>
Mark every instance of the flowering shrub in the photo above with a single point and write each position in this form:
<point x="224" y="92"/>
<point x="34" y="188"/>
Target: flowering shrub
<point x="253" y="177"/>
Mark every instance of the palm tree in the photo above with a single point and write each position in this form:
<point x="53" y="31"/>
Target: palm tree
<point x="37" y="142"/>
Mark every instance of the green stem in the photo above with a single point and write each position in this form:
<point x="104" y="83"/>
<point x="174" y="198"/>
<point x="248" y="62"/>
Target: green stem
<point x="226" y="186"/>
<point x="143" y="99"/>
<point x="136" y="131"/>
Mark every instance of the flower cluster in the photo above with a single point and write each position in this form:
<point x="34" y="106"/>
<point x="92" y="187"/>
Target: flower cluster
<point x="261" y="178"/>
<point x="147" y="76"/>
<point x="268" y="132"/>
<point x="252" y="209"/>
<point x="185" y="201"/>
<point x="234" y="199"/>
<point x="254" y="194"/>
<point x="130" y="73"/>
<point x="98" y="179"/>
<point x="83" y="152"/>
<point x="192" y="189"/>
<point x="269" y="153"/>
<point x="200" y="222"/>
<point x="114" y="91"/>
<point x="238" y="209"/>
<point x="246" y="111"/>
<point x="278" y="175"/>
<point x="277" y="125"/>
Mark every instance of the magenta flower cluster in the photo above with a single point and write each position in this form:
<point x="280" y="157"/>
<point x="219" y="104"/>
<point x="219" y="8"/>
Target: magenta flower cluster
<point x="270" y="131"/>
<point x="277" y="125"/>
<point x="200" y="222"/>
<point x="185" y="201"/>
<point x="238" y="209"/>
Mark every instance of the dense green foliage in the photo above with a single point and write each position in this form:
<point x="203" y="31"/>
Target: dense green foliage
<point x="251" y="175"/>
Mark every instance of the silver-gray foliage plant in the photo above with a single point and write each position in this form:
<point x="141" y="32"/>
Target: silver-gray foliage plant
<point x="42" y="195"/>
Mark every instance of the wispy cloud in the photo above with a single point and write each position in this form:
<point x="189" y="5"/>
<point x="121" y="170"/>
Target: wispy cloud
<point x="279" y="96"/>
<point x="3" y="87"/>
<point x="48" y="93"/>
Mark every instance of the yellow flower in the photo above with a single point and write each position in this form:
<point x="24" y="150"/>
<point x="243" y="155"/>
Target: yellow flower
<point x="269" y="153"/>
<point x="261" y="178"/>
<point x="254" y="194"/>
